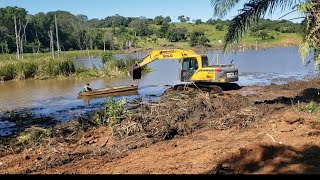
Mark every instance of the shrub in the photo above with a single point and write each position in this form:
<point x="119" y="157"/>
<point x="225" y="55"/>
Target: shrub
<point x="112" y="113"/>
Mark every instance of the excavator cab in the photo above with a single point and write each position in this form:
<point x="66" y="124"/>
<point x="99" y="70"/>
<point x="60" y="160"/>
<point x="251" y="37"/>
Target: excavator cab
<point x="188" y="67"/>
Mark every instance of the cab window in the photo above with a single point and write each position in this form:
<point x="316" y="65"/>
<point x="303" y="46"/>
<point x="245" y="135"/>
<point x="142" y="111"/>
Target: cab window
<point x="190" y="63"/>
<point x="205" y="62"/>
<point x="195" y="63"/>
<point x="185" y="64"/>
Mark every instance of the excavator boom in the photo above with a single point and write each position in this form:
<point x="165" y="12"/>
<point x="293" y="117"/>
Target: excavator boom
<point x="159" y="54"/>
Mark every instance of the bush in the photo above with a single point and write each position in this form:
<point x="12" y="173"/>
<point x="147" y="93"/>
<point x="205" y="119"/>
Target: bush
<point x="219" y="27"/>
<point x="112" y="113"/>
<point x="198" y="38"/>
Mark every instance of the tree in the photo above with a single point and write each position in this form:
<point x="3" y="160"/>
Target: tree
<point x="140" y="27"/>
<point x="176" y="34"/>
<point x="198" y="38"/>
<point x="159" y="20"/>
<point x="168" y="19"/>
<point x="182" y="18"/>
<point x="211" y="21"/>
<point x="162" y="32"/>
<point x="253" y="10"/>
<point x="108" y="41"/>
<point x="13" y="22"/>
<point x="91" y="36"/>
<point x="264" y="35"/>
<point x="114" y="21"/>
<point x="40" y="24"/>
<point x="198" y="21"/>
<point x="82" y="17"/>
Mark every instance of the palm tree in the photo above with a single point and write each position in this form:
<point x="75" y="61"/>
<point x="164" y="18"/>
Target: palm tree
<point x="253" y="10"/>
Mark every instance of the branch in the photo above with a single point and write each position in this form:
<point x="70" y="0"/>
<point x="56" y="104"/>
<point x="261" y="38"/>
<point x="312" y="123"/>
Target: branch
<point x="250" y="14"/>
<point x="221" y="7"/>
<point x="287" y="14"/>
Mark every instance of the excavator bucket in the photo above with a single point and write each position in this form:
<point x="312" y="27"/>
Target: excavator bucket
<point x="136" y="73"/>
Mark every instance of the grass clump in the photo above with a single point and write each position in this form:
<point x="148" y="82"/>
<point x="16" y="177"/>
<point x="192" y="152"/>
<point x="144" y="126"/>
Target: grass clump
<point x="33" y="135"/>
<point x="312" y="107"/>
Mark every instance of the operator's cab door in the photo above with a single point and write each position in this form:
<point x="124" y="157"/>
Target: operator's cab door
<point x="188" y="67"/>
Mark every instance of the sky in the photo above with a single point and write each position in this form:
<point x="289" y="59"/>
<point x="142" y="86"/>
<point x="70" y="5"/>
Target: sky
<point x="100" y="9"/>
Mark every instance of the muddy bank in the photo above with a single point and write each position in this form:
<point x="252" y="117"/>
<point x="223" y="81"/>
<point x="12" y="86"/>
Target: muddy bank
<point x="187" y="131"/>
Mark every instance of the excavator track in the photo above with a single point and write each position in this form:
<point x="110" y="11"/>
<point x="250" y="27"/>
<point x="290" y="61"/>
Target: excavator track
<point x="186" y="87"/>
<point x="206" y="87"/>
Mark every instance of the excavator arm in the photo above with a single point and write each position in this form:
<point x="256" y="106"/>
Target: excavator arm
<point x="160" y="54"/>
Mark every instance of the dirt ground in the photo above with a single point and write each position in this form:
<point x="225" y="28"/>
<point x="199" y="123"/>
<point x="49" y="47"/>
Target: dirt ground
<point x="252" y="130"/>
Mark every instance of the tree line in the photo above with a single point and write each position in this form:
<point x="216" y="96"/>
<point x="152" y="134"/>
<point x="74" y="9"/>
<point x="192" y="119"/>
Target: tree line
<point x="62" y="31"/>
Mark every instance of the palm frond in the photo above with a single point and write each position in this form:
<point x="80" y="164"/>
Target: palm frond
<point x="221" y="7"/>
<point x="251" y="13"/>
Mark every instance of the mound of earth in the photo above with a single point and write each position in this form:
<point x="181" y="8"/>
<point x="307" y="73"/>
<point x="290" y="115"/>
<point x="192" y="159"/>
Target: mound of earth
<point x="188" y="131"/>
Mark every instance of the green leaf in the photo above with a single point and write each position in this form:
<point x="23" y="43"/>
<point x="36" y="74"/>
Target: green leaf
<point x="304" y="50"/>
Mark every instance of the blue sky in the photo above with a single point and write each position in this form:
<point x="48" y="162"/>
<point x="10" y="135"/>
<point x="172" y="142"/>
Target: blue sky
<point x="195" y="9"/>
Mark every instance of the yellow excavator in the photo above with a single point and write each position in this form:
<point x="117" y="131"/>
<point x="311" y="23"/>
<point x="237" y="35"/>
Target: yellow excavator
<point x="194" y="68"/>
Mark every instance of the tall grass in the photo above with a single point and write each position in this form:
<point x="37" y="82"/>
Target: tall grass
<point x="112" y="68"/>
<point x="63" y="54"/>
<point x="39" y="68"/>
<point x="42" y="66"/>
<point x="116" y="67"/>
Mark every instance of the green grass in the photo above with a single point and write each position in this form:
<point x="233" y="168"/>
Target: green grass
<point x="312" y="107"/>
<point x="33" y="135"/>
<point x="281" y="39"/>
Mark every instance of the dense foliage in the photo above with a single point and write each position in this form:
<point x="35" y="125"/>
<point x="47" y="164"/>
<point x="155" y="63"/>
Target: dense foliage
<point x="77" y="32"/>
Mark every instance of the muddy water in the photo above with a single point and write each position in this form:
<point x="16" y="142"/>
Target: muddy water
<point x="58" y="98"/>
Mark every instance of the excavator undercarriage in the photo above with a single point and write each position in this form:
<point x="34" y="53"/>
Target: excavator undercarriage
<point x="216" y="88"/>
